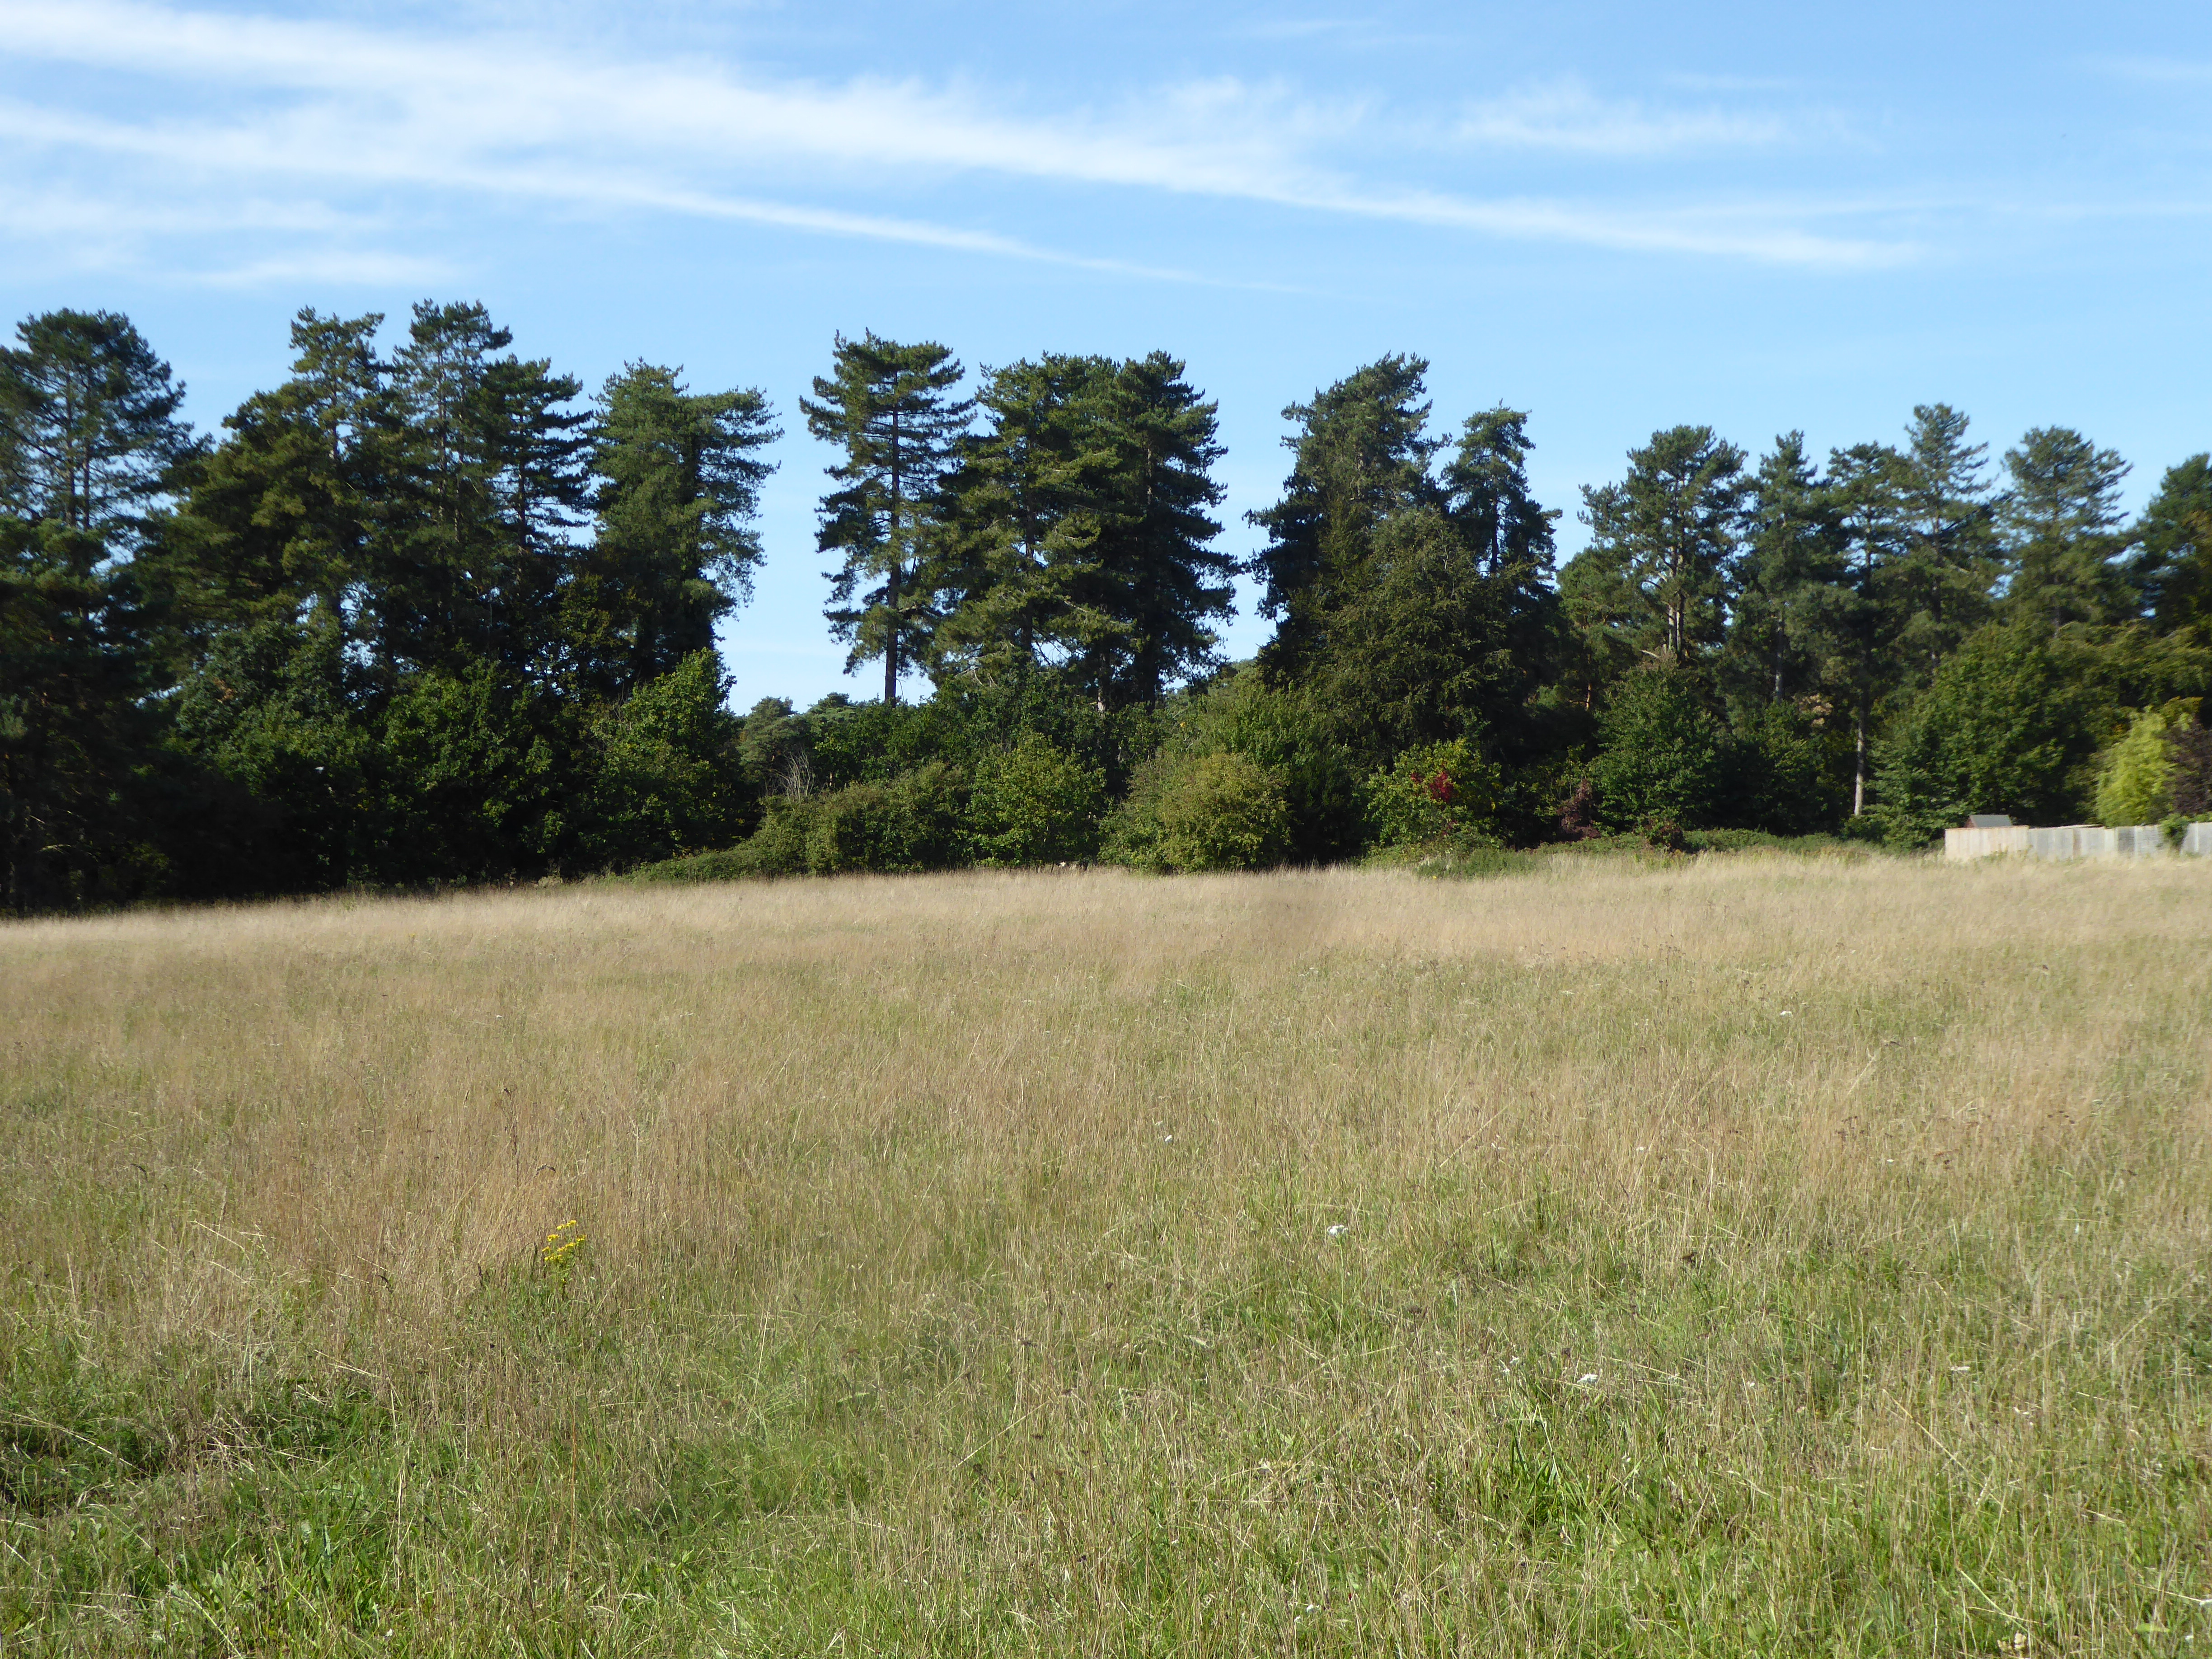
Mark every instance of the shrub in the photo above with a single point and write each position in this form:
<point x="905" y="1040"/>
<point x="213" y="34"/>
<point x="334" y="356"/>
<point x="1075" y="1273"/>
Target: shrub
<point x="912" y="823"/>
<point x="667" y="779"/>
<point x="1033" y="805"/>
<point x="1787" y="773"/>
<point x="2189" y="785"/>
<point x="2011" y="723"/>
<point x="2133" y="781"/>
<point x="1277" y="730"/>
<point x="1218" y="811"/>
<point x="779" y="846"/>
<point x="1431" y="793"/>
<point x="1662" y="758"/>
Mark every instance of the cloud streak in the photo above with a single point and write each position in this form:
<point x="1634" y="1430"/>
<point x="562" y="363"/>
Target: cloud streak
<point x="248" y="103"/>
<point x="1566" y="117"/>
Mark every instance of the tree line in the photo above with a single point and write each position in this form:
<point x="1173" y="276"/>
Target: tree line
<point x="425" y="613"/>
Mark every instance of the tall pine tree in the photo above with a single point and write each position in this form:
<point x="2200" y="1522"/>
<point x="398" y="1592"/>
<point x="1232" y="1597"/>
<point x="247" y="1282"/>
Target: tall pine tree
<point x="1947" y="559"/>
<point x="91" y="446"/>
<point x="1665" y="537"/>
<point x="490" y="482"/>
<point x="2060" y="521"/>
<point x="889" y="407"/>
<point x="1153" y="582"/>
<point x="1362" y="449"/>
<point x="678" y="478"/>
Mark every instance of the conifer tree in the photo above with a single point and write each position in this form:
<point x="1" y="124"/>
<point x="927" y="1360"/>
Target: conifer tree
<point x="1024" y="509"/>
<point x="490" y="479"/>
<point x="1665" y="534"/>
<point x="889" y="407"/>
<point x="2059" y="520"/>
<point x="1785" y="599"/>
<point x="90" y="448"/>
<point x="2173" y="571"/>
<point x="1153" y="582"/>
<point x="1362" y="452"/>
<point x="1867" y="484"/>
<point x="678" y="487"/>
<point x="286" y="509"/>
<point x="1947" y="561"/>
<point x="1487" y="500"/>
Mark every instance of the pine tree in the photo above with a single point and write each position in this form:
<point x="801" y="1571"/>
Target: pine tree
<point x="489" y="481"/>
<point x="1947" y="561"/>
<point x="1154" y="581"/>
<point x="1487" y="500"/>
<point x="89" y="438"/>
<point x="1868" y="484"/>
<point x="2059" y="520"/>
<point x="1362" y="452"/>
<point x="1022" y="512"/>
<point x="2173" y="571"/>
<point x="679" y="476"/>
<point x="887" y="406"/>
<point x="90" y="448"/>
<point x="284" y="512"/>
<point x="1667" y="533"/>
<point x="1785" y="599"/>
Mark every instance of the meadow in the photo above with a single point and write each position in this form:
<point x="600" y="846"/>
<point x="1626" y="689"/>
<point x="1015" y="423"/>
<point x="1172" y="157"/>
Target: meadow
<point x="1749" y="1254"/>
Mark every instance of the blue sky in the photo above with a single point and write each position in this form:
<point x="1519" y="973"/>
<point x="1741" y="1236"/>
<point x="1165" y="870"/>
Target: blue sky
<point x="1616" y="216"/>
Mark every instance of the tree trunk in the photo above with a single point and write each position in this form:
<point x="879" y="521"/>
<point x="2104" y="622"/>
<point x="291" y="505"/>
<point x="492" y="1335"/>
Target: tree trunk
<point x="1858" y="761"/>
<point x="891" y="576"/>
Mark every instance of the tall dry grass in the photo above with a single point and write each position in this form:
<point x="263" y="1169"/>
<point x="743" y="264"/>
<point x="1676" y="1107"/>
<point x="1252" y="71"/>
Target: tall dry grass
<point x="1754" y="1255"/>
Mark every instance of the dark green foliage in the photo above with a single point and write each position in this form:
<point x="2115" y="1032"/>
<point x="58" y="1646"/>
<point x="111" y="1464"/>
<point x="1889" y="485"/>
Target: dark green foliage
<point x="668" y="779"/>
<point x="2060" y="522"/>
<point x="2189" y="785"/>
<point x="1413" y="610"/>
<point x="849" y="741"/>
<point x="1433" y="793"/>
<point x="89" y="438"/>
<point x="1080" y="534"/>
<point x="288" y="510"/>
<point x="1947" y="562"/>
<point x="420" y="616"/>
<point x="1279" y="729"/>
<point x="887" y="405"/>
<point x="2015" y="721"/>
<point x="2008" y="725"/>
<point x="675" y="549"/>
<point x="915" y="821"/>
<point x="2173" y="570"/>
<point x="1785" y="600"/>
<point x="89" y="443"/>
<point x="269" y="710"/>
<point x="1788" y="772"/>
<point x="488" y="477"/>
<point x="1221" y="810"/>
<point x="776" y="748"/>
<point x="1660" y="543"/>
<point x="481" y="777"/>
<point x="1663" y="754"/>
<point x="1034" y="805"/>
<point x="1363" y="452"/>
<point x="1422" y="651"/>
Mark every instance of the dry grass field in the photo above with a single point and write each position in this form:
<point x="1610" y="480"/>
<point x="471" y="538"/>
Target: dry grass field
<point x="1753" y="1255"/>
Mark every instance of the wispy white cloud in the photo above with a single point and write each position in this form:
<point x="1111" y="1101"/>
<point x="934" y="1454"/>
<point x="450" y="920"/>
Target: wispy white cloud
<point x="2168" y="71"/>
<point x="249" y="102"/>
<point x="1567" y="116"/>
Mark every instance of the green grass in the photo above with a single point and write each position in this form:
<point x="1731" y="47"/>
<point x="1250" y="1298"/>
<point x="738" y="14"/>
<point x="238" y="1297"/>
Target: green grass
<point x="1452" y="1327"/>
